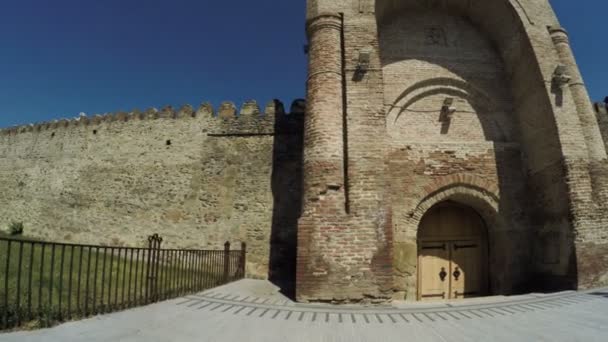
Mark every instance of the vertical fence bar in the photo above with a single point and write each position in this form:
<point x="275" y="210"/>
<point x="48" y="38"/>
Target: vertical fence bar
<point x="174" y="273"/>
<point x="211" y="267"/>
<point x="151" y="280"/>
<point x="205" y="269"/>
<point x="143" y="282"/>
<point x="6" y="274"/>
<point x="130" y="278"/>
<point x="103" y="279"/>
<point x="148" y="261"/>
<point x="110" y="271"/>
<point x="235" y="263"/>
<point x="178" y="271"/>
<point x="117" y="278"/>
<point x="226" y="261"/>
<point x="124" y="279"/>
<point x="174" y="256"/>
<point x="69" y="313"/>
<point x="189" y="273"/>
<point x="18" y="299"/>
<point x="135" y="287"/>
<point x="50" y="288"/>
<point x="169" y="266"/>
<point x="218" y="268"/>
<point x="207" y="263"/>
<point x="243" y="260"/>
<point x="155" y="266"/>
<point x="184" y="272"/>
<point x="177" y="277"/>
<point x="159" y="241"/>
<point x="180" y="277"/>
<point x="30" y="314"/>
<point x="78" y="280"/>
<point x="87" y="282"/>
<point x="161" y="269"/>
<point x="164" y="274"/>
<point x="193" y="271"/>
<point x="221" y="267"/>
<point x="94" y="310"/>
<point x="153" y="253"/>
<point x="61" y="281"/>
<point x="232" y="265"/>
<point x="237" y="256"/>
<point x="155" y="274"/>
<point x="165" y="270"/>
<point x="41" y="280"/>
<point x="199" y="284"/>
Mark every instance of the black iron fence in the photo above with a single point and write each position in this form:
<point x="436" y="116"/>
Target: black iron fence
<point x="42" y="283"/>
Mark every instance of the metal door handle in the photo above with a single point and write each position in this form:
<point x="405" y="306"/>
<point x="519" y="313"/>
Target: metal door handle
<point x="457" y="273"/>
<point x="443" y="274"/>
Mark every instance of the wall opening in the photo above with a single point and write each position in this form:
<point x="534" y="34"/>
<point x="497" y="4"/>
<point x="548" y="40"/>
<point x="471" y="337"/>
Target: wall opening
<point x="452" y="253"/>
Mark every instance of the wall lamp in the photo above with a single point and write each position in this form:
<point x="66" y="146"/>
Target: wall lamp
<point x="448" y="108"/>
<point x="363" y="61"/>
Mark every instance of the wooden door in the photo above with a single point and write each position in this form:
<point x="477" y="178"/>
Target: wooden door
<point x="451" y="254"/>
<point x="466" y="269"/>
<point x="434" y="268"/>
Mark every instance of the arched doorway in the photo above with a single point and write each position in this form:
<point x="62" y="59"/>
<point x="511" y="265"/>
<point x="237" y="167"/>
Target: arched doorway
<point x="452" y="253"/>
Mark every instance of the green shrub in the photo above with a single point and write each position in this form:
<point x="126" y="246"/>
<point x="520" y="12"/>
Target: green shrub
<point x="16" y="228"/>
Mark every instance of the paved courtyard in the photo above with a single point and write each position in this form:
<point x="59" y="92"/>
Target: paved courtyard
<point x="252" y="310"/>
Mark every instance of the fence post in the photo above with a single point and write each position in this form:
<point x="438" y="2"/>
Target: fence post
<point x="159" y="241"/>
<point x="242" y="260"/>
<point x="226" y="262"/>
<point x="154" y="242"/>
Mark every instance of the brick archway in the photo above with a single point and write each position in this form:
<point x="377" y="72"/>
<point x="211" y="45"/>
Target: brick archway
<point x="480" y="194"/>
<point x="483" y="197"/>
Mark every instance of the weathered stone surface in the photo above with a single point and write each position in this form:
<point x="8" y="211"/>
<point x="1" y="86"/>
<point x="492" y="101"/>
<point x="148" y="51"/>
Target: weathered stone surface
<point x="250" y="108"/>
<point x="227" y="110"/>
<point x="116" y="182"/>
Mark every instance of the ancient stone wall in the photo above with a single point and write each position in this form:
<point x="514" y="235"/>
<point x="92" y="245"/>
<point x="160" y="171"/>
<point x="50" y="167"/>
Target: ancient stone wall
<point x="196" y="177"/>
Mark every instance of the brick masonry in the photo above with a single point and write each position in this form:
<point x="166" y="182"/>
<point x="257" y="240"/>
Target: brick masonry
<point x="454" y="104"/>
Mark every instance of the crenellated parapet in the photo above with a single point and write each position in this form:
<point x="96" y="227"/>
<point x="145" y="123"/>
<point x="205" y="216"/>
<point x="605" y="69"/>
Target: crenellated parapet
<point x="225" y="120"/>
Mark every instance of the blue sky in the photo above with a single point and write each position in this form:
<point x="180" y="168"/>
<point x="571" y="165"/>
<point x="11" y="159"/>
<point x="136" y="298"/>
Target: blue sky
<point x="62" y="57"/>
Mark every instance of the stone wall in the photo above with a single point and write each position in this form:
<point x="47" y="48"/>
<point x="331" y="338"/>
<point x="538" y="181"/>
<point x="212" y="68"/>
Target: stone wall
<point x="196" y="177"/>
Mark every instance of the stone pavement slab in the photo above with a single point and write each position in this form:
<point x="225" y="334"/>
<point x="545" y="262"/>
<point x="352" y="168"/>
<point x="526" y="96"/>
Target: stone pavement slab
<point x="251" y="310"/>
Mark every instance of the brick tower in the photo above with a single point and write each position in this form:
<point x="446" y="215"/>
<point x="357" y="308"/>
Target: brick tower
<point x="450" y="151"/>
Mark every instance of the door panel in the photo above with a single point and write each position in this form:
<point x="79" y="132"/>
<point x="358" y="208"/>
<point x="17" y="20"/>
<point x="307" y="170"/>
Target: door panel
<point x="452" y="239"/>
<point x="466" y="269"/>
<point x="434" y="271"/>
